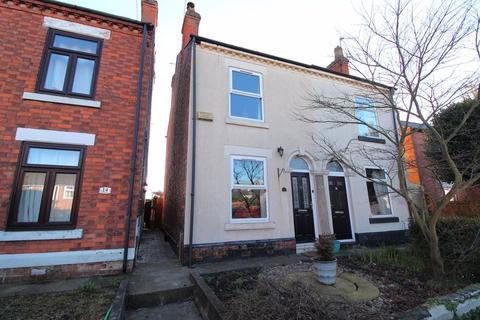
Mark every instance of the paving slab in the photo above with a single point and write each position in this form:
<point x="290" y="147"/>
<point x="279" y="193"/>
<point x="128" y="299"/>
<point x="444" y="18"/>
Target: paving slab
<point x="174" y="311"/>
<point x="244" y="263"/>
<point x="153" y="248"/>
<point x="158" y="277"/>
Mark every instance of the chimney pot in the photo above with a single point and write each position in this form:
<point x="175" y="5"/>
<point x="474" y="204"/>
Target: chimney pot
<point x="338" y="51"/>
<point x="340" y="63"/>
<point x="191" y="22"/>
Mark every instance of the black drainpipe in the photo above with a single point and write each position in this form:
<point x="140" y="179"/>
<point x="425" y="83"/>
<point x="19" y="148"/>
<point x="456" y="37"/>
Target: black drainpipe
<point x="133" y="163"/>
<point x="194" y="135"/>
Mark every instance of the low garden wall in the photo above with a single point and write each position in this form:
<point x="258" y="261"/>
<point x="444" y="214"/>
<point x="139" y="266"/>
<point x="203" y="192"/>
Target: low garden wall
<point x="447" y="307"/>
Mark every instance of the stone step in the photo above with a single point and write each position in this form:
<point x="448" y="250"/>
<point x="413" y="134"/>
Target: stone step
<point x="185" y="310"/>
<point x="157" y="284"/>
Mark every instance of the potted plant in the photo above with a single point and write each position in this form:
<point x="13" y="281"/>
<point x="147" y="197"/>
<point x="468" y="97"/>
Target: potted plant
<point x="325" y="262"/>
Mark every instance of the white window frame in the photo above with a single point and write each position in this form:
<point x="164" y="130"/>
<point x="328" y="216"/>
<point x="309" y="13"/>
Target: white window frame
<point x="67" y="190"/>
<point x="246" y="94"/>
<point x="239" y="186"/>
<point x="388" y="194"/>
<point x="371" y="109"/>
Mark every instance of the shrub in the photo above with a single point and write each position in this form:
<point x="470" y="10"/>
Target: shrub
<point x="464" y="208"/>
<point x="325" y="247"/>
<point x="459" y="241"/>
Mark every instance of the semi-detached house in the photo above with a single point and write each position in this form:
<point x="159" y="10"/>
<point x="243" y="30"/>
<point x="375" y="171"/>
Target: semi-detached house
<point x="75" y="89"/>
<point x="243" y="176"/>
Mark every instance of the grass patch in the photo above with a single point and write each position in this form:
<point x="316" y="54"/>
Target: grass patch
<point x="90" y="301"/>
<point x="391" y="256"/>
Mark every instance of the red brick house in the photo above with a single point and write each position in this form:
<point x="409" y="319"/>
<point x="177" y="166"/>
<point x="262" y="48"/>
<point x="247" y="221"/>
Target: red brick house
<point x="420" y="174"/>
<point x="75" y="97"/>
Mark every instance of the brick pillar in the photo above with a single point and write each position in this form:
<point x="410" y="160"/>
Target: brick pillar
<point x="191" y="23"/>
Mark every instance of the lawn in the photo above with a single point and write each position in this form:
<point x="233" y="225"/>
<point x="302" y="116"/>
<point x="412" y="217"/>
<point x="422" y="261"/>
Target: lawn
<point x="88" y="302"/>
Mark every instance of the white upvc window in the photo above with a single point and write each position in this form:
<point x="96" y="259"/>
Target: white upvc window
<point x="246" y="96"/>
<point x="378" y="193"/>
<point x="248" y="192"/>
<point x="365" y="111"/>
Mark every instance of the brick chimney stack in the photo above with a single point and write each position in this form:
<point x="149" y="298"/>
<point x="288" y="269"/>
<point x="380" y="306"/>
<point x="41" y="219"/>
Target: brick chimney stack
<point x="149" y="11"/>
<point x="340" y="63"/>
<point x="190" y="23"/>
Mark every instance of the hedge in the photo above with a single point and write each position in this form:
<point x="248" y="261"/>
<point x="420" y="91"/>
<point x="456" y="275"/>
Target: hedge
<point x="459" y="241"/>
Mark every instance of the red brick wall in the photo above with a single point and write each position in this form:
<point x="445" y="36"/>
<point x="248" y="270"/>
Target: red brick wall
<point x="433" y="189"/>
<point x="107" y="163"/>
<point x="176" y="158"/>
<point x="231" y="250"/>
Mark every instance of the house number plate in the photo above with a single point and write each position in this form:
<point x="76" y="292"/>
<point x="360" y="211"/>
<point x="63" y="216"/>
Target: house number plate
<point x="105" y="190"/>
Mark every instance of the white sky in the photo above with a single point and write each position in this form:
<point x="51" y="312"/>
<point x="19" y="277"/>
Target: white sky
<point x="306" y="31"/>
<point x="124" y="8"/>
<point x="301" y="30"/>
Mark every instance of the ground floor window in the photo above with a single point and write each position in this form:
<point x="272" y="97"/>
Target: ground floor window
<point x="378" y="193"/>
<point x="248" y="188"/>
<point x="46" y="193"/>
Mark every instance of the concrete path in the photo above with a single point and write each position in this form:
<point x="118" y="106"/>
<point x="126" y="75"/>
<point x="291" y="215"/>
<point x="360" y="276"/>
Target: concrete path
<point x="174" y="311"/>
<point x="244" y="263"/>
<point x="159" y="285"/>
<point x="154" y="249"/>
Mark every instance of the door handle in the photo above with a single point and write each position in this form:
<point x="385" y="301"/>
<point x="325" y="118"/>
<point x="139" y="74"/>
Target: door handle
<point x="302" y="210"/>
<point x="339" y="211"/>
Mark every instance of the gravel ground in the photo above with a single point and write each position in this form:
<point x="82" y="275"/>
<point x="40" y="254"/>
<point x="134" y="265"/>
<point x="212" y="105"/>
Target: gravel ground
<point x="264" y="294"/>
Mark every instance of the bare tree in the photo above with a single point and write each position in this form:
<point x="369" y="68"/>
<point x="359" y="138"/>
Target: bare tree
<point x="418" y="52"/>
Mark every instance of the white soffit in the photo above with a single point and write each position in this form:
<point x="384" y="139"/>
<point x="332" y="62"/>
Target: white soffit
<point x="53" y="136"/>
<point x="69" y="26"/>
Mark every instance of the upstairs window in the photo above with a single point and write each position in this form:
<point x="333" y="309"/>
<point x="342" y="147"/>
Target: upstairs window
<point x="246" y="95"/>
<point x="366" y="113"/>
<point x="248" y="189"/>
<point x="378" y="193"/>
<point x="70" y="64"/>
<point x="46" y="194"/>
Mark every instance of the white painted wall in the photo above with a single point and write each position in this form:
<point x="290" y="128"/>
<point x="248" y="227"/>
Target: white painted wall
<point x="284" y="90"/>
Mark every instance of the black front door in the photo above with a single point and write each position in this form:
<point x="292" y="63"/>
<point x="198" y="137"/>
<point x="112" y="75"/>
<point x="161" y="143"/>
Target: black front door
<point x="339" y="205"/>
<point x="302" y="207"/>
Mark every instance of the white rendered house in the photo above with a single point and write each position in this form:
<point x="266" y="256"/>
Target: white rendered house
<point x="248" y="172"/>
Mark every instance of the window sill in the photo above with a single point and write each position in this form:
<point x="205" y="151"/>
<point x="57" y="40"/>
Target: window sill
<point x="249" y="226"/>
<point x="247" y="123"/>
<point x="40" y="235"/>
<point x="384" y="220"/>
<point x="60" y="99"/>
<point x="371" y="139"/>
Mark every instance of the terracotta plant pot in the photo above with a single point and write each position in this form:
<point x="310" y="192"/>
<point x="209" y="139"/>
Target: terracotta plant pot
<point x="326" y="271"/>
